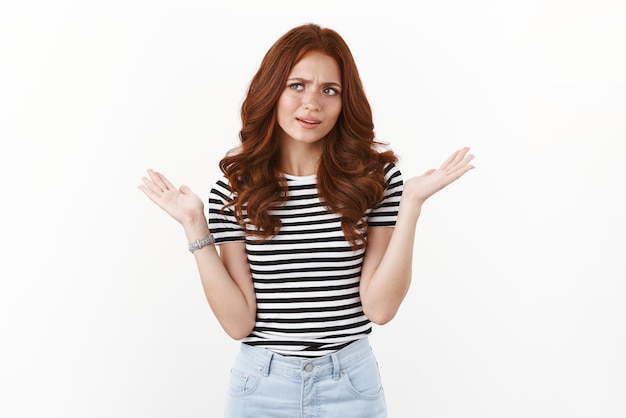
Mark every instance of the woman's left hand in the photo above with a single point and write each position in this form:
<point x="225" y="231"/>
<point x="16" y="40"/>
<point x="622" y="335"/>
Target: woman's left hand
<point x="419" y="189"/>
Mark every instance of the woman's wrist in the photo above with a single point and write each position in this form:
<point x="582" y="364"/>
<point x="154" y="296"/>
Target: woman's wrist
<point x="201" y="243"/>
<point x="196" y="229"/>
<point x="411" y="207"/>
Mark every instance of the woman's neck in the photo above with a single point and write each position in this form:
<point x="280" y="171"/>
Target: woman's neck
<point x="300" y="159"/>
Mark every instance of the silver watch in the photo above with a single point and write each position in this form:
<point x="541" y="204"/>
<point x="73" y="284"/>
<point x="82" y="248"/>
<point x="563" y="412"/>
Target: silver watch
<point x="201" y="243"/>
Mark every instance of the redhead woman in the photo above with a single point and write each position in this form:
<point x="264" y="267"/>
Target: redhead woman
<point x="308" y="236"/>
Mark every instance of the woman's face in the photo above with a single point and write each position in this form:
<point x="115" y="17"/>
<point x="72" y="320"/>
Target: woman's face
<point x="310" y="105"/>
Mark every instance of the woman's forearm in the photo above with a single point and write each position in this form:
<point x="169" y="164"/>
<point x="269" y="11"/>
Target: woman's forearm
<point x="386" y="274"/>
<point x="231" y="297"/>
<point x="389" y="283"/>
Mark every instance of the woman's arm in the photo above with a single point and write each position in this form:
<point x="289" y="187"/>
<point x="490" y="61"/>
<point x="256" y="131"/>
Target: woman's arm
<point x="387" y="266"/>
<point x="226" y="277"/>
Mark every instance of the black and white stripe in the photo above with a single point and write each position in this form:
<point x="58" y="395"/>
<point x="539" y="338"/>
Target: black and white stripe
<point x="306" y="278"/>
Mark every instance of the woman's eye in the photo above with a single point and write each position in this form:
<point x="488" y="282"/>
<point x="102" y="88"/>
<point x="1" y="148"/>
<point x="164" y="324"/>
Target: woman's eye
<point x="331" y="91"/>
<point x="296" y="86"/>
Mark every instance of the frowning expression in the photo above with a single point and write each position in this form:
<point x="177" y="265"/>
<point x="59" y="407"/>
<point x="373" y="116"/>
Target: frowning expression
<point x="310" y="104"/>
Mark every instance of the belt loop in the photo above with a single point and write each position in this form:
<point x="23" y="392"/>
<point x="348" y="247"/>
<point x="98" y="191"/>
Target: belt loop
<point x="265" y="369"/>
<point x="336" y="366"/>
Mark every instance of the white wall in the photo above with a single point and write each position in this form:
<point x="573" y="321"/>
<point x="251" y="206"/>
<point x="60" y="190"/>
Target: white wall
<point x="517" y="308"/>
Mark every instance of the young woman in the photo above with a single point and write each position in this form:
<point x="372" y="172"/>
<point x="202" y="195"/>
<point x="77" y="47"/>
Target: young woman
<point x="315" y="228"/>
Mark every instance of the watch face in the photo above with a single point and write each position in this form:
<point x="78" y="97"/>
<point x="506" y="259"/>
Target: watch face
<point x="201" y="243"/>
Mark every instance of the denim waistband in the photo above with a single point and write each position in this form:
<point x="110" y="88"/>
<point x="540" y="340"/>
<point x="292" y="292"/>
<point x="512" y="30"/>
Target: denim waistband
<point x="269" y="362"/>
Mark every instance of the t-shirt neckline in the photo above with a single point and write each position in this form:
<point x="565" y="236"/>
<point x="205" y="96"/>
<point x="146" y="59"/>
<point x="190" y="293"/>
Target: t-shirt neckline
<point x="300" y="178"/>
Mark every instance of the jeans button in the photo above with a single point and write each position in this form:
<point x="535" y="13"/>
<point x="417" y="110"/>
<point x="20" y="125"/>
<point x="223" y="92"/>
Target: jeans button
<point x="308" y="367"/>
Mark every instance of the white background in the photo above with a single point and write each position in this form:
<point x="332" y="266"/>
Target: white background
<point x="518" y="304"/>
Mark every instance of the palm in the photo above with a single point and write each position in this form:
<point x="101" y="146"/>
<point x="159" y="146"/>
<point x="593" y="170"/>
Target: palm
<point x="422" y="187"/>
<point x="181" y="204"/>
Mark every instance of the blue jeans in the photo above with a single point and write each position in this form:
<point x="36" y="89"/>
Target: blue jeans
<point x="345" y="384"/>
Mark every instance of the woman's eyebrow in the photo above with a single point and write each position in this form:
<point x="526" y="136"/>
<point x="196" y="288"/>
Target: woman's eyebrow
<point x="305" y="81"/>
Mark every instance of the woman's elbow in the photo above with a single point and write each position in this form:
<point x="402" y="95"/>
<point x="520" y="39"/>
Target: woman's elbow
<point x="238" y="331"/>
<point x="236" y="334"/>
<point x="380" y="317"/>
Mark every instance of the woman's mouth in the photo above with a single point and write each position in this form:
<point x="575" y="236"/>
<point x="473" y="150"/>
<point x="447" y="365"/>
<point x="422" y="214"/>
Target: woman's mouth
<point x="308" y="123"/>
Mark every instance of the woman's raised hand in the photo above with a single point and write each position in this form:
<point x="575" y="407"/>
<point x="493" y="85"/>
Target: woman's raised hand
<point x="418" y="189"/>
<point x="181" y="204"/>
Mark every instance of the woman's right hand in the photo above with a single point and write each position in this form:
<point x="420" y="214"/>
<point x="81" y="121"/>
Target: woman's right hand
<point x="181" y="204"/>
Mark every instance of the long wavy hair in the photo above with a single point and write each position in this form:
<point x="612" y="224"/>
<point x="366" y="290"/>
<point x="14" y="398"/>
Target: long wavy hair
<point x="350" y="173"/>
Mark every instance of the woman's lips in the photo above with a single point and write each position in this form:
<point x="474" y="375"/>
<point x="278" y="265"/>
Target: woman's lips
<point x="308" y="123"/>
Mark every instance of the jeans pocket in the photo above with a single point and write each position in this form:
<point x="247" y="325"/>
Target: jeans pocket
<point x="242" y="383"/>
<point x="363" y="378"/>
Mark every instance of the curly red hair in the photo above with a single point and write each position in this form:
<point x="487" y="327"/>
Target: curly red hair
<point x="350" y="174"/>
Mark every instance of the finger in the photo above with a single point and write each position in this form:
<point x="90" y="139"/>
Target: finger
<point x="159" y="180"/>
<point x="461" y="155"/>
<point x="461" y="171"/>
<point x="151" y="195"/>
<point x="169" y="185"/>
<point x="429" y="172"/>
<point x="149" y="185"/>
<point x="156" y="180"/>
<point x="448" y="161"/>
<point x="454" y="158"/>
<point x="462" y="163"/>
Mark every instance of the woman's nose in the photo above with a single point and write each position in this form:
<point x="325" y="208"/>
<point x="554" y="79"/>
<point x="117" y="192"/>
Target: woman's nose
<point x="311" y="101"/>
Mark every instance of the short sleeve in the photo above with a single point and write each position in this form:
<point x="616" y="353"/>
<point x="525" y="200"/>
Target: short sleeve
<point x="222" y="223"/>
<point x="386" y="213"/>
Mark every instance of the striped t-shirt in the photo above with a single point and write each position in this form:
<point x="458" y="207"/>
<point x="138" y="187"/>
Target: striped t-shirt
<point x="306" y="278"/>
